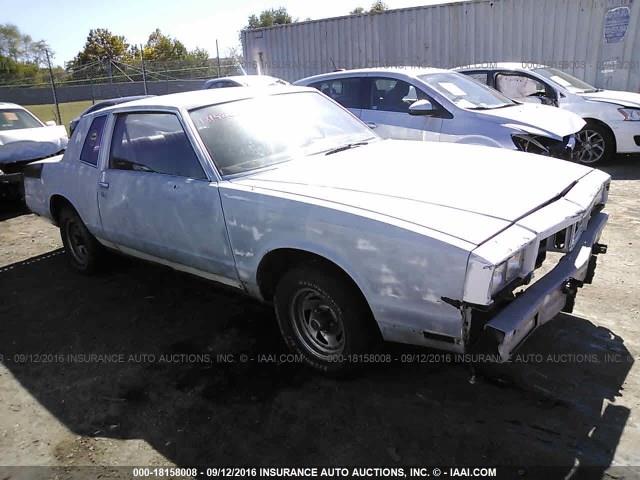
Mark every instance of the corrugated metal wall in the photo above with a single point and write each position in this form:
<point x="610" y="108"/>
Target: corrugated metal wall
<point x="567" y="34"/>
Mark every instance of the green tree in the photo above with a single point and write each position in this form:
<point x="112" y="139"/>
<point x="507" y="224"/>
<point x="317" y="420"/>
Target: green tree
<point x="268" y="18"/>
<point x="378" y="6"/>
<point x="100" y="49"/>
<point x="356" y="11"/>
<point x="21" y="58"/>
<point x="163" y="48"/>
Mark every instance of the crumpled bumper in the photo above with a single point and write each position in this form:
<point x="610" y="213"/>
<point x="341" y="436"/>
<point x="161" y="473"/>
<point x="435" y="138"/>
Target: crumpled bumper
<point x="553" y="293"/>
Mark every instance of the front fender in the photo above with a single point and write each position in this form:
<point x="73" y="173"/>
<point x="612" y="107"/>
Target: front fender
<point x="402" y="273"/>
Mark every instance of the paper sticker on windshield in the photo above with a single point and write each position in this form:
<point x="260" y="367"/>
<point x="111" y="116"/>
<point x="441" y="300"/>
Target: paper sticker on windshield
<point x="561" y="81"/>
<point x="453" y="89"/>
<point x="10" y="116"/>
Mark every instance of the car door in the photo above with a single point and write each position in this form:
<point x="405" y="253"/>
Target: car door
<point x="156" y="201"/>
<point x="386" y="110"/>
<point x="348" y="92"/>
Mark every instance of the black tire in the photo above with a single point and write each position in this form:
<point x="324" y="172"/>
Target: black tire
<point x="592" y="138"/>
<point x="83" y="250"/>
<point x="339" y="302"/>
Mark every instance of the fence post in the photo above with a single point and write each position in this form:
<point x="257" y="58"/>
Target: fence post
<point x="144" y="72"/>
<point x="53" y="87"/>
<point x="218" y="56"/>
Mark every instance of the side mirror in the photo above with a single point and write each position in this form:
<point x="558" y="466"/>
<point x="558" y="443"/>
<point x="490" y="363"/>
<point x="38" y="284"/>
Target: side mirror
<point x="50" y="123"/>
<point x="422" y="107"/>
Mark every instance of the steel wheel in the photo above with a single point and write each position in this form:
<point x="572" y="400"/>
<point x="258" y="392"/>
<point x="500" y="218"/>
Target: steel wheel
<point x="77" y="243"/>
<point x="316" y="324"/>
<point x="592" y="146"/>
<point x="82" y="248"/>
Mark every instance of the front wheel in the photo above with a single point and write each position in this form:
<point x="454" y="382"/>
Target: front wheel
<point x="82" y="248"/>
<point x="323" y="317"/>
<point x="596" y="144"/>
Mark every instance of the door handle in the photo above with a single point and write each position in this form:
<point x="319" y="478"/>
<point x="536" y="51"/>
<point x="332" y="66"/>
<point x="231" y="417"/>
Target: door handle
<point x="372" y="125"/>
<point x="103" y="184"/>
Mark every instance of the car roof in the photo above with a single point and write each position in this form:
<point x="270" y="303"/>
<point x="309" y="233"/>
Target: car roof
<point x="203" y="98"/>
<point x="409" y="71"/>
<point x="245" y="79"/>
<point x="518" y="66"/>
<point x="109" y="102"/>
<point x="11" y="105"/>
<point x="118" y="100"/>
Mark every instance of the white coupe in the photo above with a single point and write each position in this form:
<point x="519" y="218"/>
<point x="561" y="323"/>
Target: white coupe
<point x="288" y="197"/>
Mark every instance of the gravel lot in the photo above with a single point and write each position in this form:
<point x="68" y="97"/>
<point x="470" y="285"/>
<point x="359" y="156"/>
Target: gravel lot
<point x="162" y="392"/>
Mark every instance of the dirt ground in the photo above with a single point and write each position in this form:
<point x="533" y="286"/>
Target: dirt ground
<point x="162" y="390"/>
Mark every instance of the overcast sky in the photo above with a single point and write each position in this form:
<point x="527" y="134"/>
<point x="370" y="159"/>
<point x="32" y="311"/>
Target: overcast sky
<point x="64" y="24"/>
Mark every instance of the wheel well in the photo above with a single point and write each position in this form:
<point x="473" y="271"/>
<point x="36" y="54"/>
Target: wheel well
<point x="57" y="204"/>
<point x="606" y="127"/>
<point x="278" y="262"/>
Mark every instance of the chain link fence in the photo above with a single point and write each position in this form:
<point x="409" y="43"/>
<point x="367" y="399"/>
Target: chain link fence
<point x="109" y="79"/>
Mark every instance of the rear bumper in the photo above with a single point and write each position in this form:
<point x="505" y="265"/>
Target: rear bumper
<point x="553" y="293"/>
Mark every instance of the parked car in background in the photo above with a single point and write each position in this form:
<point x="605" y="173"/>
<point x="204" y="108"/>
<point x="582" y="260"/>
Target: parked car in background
<point x="444" y="106"/>
<point x="285" y="195"/>
<point x="24" y="138"/>
<point x="103" y="104"/>
<point x="244" y="81"/>
<point x="612" y="117"/>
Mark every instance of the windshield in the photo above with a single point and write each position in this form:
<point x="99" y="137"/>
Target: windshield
<point x="16" y="119"/>
<point x="465" y="92"/>
<point x="571" y="83"/>
<point x="263" y="131"/>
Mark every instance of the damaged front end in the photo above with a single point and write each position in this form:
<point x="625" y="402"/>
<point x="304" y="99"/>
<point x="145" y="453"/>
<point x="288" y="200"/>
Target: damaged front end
<point x="559" y="148"/>
<point x="501" y="324"/>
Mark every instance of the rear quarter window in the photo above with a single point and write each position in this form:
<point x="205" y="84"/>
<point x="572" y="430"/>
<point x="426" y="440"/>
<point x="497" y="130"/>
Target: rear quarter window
<point x="91" y="147"/>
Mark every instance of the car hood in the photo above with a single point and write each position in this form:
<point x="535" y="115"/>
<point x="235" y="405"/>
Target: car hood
<point x="31" y="143"/>
<point x="625" y="99"/>
<point x="538" y="119"/>
<point x="466" y="191"/>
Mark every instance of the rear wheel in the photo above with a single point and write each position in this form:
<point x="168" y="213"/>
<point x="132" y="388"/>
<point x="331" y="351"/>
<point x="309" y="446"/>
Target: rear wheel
<point x="82" y="248"/>
<point x="323" y="317"/>
<point x="596" y="144"/>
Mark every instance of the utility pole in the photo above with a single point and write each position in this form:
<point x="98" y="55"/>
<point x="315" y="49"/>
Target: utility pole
<point x="53" y="87"/>
<point x="144" y="72"/>
<point x="218" y="55"/>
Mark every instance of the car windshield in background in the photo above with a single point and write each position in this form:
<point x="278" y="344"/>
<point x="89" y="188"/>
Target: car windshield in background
<point x="571" y="83"/>
<point x="465" y="92"/>
<point x="263" y="131"/>
<point x="16" y="119"/>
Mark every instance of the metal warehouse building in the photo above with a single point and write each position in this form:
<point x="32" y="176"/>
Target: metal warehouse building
<point x="597" y="40"/>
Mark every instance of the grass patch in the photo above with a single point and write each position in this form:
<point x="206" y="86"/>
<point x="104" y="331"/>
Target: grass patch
<point x="68" y="111"/>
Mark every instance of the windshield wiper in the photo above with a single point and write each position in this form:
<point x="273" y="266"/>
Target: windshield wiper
<point x="342" y="148"/>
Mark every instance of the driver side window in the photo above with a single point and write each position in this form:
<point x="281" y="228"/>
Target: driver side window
<point x="153" y="142"/>
<point x="519" y="87"/>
